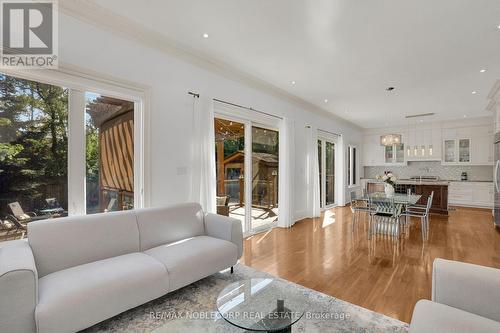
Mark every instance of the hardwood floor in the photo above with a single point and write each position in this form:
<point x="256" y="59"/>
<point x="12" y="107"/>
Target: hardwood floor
<point x="325" y="255"/>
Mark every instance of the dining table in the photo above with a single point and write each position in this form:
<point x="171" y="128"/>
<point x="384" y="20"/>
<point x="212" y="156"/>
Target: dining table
<point x="399" y="198"/>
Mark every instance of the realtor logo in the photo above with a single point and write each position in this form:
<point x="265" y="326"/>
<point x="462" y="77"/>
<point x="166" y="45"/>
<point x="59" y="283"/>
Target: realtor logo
<point x="29" y="34"/>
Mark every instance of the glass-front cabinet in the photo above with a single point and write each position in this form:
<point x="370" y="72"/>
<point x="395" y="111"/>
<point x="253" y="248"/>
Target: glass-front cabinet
<point x="395" y="154"/>
<point x="457" y="151"/>
<point x="464" y="150"/>
<point x="449" y="151"/>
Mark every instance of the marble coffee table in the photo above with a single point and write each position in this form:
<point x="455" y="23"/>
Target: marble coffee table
<point x="261" y="304"/>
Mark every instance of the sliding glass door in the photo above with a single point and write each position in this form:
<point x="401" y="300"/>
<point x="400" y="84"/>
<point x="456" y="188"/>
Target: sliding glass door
<point x="230" y="168"/>
<point x="326" y="160"/>
<point x="247" y="161"/>
<point x="265" y="162"/>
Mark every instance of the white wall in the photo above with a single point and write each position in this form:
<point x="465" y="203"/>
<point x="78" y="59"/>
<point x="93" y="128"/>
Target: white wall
<point x="170" y="78"/>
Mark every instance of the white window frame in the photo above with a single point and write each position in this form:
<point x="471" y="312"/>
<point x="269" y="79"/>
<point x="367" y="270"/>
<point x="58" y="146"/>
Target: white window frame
<point x="352" y="181"/>
<point x="79" y="81"/>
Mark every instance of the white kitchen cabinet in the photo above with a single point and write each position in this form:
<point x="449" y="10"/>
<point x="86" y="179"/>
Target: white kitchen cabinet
<point x="394" y="155"/>
<point x="449" y="151"/>
<point x="468" y="145"/>
<point x="424" y="144"/>
<point x="373" y="152"/>
<point x="471" y="194"/>
<point x="457" y="150"/>
<point x="482" y="150"/>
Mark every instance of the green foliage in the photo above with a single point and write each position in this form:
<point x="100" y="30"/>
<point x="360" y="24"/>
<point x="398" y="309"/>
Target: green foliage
<point x="33" y="137"/>
<point x="92" y="153"/>
<point x="232" y="146"/>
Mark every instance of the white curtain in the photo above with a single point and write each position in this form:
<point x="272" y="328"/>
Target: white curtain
<point x="314" y="197"/>
<point x="286" y="173"/>
<point x="203" y="154"/>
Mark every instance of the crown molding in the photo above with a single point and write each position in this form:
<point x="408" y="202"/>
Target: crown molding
<point x="90" y="12"/>
<point x="491" y="105"/>
<point x="495" y="91"/>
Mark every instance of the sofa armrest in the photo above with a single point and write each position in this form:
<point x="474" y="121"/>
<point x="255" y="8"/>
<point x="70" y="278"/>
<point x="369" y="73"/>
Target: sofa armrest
<point x="226" y="228"/>
<point x="468" y="287"/>
<point x="18" y="287"/>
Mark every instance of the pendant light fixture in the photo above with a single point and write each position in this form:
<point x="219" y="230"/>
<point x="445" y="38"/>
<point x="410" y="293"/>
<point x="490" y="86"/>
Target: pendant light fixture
<point x="408" y="151"/>
<point x="430" y="145"/>
<point x="390" y="139"/>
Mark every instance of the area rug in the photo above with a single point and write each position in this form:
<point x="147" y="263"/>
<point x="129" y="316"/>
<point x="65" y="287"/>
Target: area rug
<point x="193" y="309"/>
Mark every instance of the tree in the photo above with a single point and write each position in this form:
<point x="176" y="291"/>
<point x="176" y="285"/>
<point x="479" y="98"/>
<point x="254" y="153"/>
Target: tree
<point x="33" y="138"/>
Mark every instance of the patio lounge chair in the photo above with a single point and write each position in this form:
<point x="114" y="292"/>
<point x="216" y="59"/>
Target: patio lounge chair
<point x="54" y="208"/>
<point x="12" y="226"/>
<point x="20" y="216"/>
<point x="223" y="205"/>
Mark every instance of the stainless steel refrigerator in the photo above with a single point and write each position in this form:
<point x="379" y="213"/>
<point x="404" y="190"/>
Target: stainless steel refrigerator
<point x="496" y="180"/>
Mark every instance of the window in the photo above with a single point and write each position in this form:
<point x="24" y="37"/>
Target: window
<point x="66" y="152"/>
<point x="352" y="166"/>
<point x="109" y="136"/>
<point x="33" y="153"/>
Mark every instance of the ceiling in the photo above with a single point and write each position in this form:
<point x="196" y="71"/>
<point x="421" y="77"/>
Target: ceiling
<point x="345" y="51"/>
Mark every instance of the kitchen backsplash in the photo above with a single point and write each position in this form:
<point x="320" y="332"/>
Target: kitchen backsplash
<point x="444" y="172"/>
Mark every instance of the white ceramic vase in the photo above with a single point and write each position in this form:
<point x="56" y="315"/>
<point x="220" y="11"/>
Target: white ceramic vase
<point x="389" y="190"/>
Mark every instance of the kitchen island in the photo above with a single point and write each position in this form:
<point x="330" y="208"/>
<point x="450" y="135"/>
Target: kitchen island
<point x="424" y="188"/>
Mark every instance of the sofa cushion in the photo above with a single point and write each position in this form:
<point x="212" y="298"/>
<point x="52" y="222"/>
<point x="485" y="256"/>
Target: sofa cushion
<point x="162" y="225"/>
<point x="71" y="241"/>
<point x="192" y="259"/>
<point x="81" y="296"/>
<point x="431" y="317"/>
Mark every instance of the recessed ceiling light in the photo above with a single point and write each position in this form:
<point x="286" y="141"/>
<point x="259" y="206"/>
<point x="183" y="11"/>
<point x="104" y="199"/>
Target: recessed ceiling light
<point x="421" y="120"/>
<point x="498" y="27"/>
<point x="293" y="82"/>
<point x="205" y="35"/>
<point x="474" y="92"/>
<point x="465" y="116"/>
<point x="482" y="70"/>
<point x="326" y="101"/>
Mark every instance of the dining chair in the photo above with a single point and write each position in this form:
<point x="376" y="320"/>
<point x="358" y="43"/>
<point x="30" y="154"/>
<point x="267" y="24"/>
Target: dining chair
<point x="385" y="217"/>
<point x="422" y="212"/>
<point x="358" y="206"/>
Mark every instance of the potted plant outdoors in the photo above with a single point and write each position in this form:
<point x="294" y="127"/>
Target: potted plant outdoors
<point x="389" y="183"/>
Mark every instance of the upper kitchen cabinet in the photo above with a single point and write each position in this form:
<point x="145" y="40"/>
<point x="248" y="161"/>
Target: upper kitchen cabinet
<point x="373" y="152"/>
<point x="465" y="142"/>
<point x="468" y="145"/>
<point x="482" y="150"/>
<point x="395" y="155"/>
<point x="424" y="144"/>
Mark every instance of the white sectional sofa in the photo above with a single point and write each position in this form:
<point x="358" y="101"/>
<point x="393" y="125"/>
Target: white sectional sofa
<point x="465" y="298"/>
<point x="74" y="272"/>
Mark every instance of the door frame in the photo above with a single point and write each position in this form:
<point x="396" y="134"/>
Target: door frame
<point x="249" y="119"/>
<point x="324" y="137"/>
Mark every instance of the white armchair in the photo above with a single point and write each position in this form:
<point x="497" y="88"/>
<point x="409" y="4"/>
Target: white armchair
<point x="465" y="298"/>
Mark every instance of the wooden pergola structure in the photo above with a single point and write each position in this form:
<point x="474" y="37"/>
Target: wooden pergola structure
<point x="115" y="121"/>
<point x="264" y="167"/>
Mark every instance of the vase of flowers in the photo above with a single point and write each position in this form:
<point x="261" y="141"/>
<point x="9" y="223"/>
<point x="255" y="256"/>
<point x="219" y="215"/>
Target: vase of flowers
<point x="389" y="183"/>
